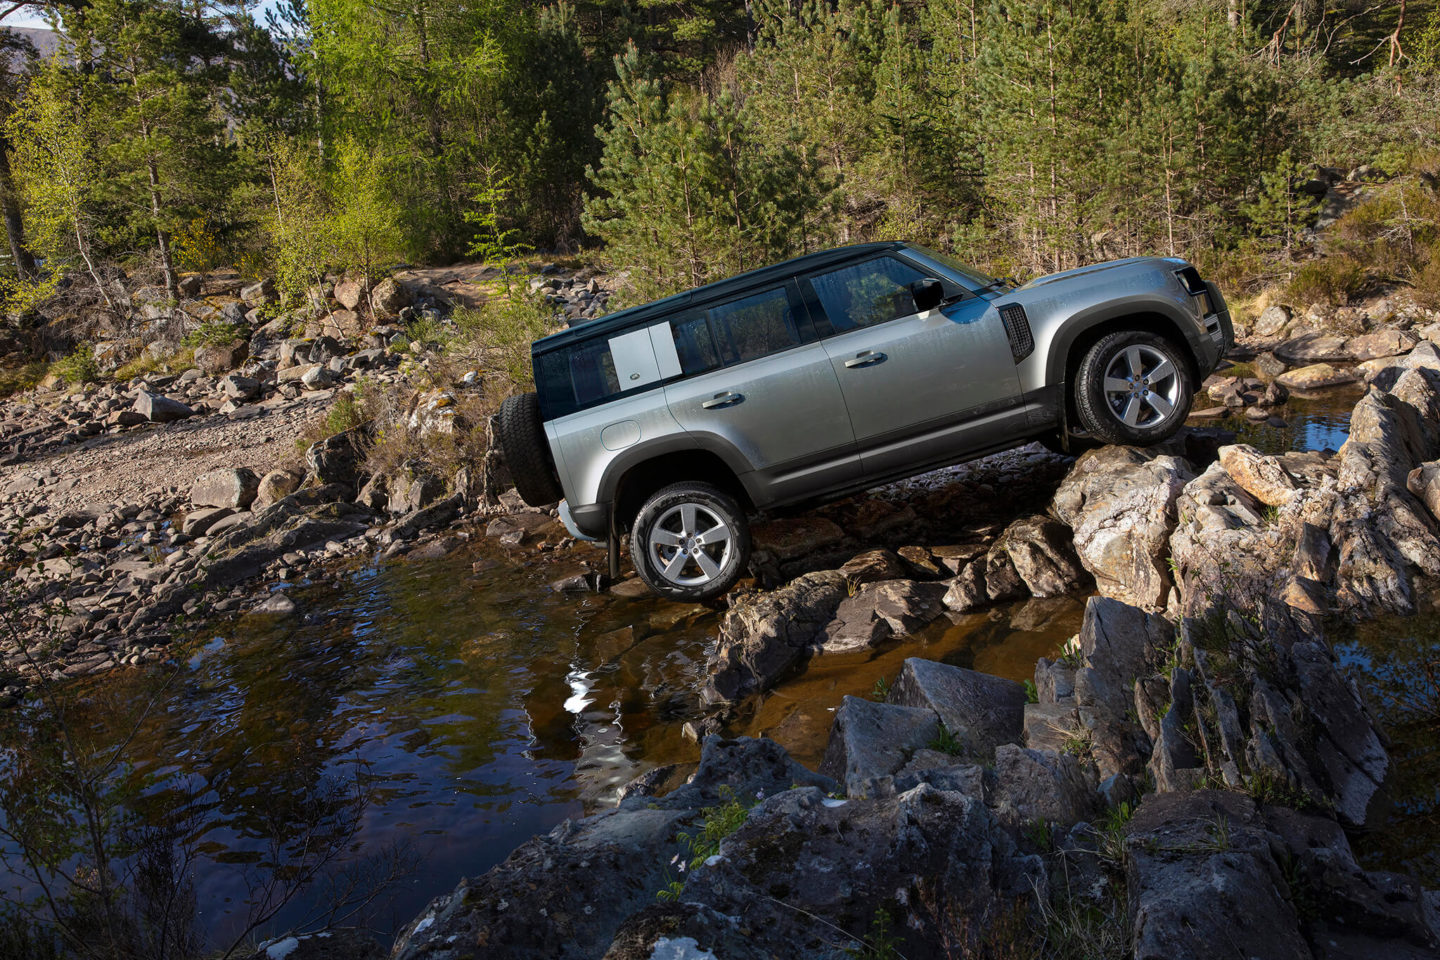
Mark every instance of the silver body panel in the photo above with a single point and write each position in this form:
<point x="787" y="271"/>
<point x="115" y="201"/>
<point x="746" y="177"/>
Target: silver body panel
<point x="825" y="417"/>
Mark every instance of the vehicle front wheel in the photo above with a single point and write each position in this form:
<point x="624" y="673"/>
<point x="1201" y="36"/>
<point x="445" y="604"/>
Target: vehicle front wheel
<point x="690" y="541"/>
<point x="1133" y="387"/>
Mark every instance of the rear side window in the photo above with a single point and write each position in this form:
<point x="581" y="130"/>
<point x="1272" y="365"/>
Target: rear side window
<point x="867" y="293"/>
<point x="755" y="326"/>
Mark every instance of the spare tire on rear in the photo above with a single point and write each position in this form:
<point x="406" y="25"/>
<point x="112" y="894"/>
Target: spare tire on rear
<point x="527" y="451"/>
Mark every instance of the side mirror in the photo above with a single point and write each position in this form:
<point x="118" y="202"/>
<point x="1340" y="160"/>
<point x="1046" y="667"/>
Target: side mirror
<point x="927" y="293"/>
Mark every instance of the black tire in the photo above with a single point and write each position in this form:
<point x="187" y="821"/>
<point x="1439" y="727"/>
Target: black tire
<point x="1160" y="388"/>
<point x="691" y="581"/>
<point x="527" y="451"/>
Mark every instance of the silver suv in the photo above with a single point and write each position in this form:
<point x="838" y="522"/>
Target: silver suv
<point x="836" y="371"/>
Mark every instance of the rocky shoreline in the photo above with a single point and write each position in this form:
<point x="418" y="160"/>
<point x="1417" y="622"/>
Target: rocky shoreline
<point x="1183" y="775"/>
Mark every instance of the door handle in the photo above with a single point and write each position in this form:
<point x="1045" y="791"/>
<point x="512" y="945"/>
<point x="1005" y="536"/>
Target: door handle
<point x="867" y="359"/>
<point x="723" y="400"/>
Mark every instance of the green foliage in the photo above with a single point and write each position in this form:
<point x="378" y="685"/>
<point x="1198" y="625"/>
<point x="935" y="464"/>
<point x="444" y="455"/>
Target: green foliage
<point x="78" y="367"/>
<point x="24" y="377"/>
<point x="717" y="823"/>
<point x="216" y="333"/>
<point x="946" y="742"/>
<point x="1331" y="280"/>
<point x="494" y="244"/>
<point x="502" y="330"/>
<point x="1032" y="695"/>
<point x="881" y="691"/>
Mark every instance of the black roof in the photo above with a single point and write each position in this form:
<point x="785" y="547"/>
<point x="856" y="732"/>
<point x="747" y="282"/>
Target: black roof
<point x="658" y="309"/>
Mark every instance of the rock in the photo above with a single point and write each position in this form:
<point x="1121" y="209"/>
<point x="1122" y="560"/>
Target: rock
<point x="160" y="409"/>
<point x="1313" y="348"/>
<point x="881" y="610"/>
<point x="197" y="523"/>
<point x="1316" y="377"/>
<point x="277" y="604"/>
<point x="1259" y="475"/>
<point x="237" y="387"/>
<point x="332" y="943"/>
<point x="437" y="514"/>
<point x="260" y="292"/>
<point x="125" y="418"/>
<point x="318" y="378"/>
<point x="273" y="486"/>
<point x="344" y="324"/>
<point x="966" y="591"/>
<point x="1424" y="482"/>
<point x="874" y="565"/>
<point x="870" y="742"/>
<point x="1382" y="343"/>
<point x="1043" y="557"/>
<point x="1041" y="785"/>
<point x="373" y="495"/>
<point x="215" y="359"/>
<point x="336" y="459"/>
<point x="235" y="488"/>
<point x="1120" y="503"/>
<point x="389" y="297"/>
<point x="1273" y="322"/>
<point x="980" y="711"/>
<point x="765" y="635"/>
<point x="1270" y="365"/>
<point x="350" y="293"/>
<point x="1199" y="874"/>
<point x="434" y="414"/>
<point x="796" y="537"/>
<point x="416" y="494"/>
<point x="190" y="286"/>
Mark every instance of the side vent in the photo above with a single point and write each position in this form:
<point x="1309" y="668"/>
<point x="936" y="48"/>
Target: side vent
<point x="1017" y="328"/>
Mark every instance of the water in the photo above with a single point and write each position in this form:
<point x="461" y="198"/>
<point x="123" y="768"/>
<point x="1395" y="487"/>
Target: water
<point x="1311" y="423"/>
<point x="474" y="710"/>
<point x="1396" y="663"/>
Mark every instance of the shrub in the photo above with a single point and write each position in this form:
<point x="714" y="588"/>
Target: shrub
<point x="1330" y="280"/>
<point x="217" y="333"/>
<point x="15" y="379"/>
<point x="79" y="366"/>
<point x="501" y="332"/>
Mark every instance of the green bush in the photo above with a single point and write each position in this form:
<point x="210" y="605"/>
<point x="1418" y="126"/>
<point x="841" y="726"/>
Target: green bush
<point x="79" y="367"/>
<point x="504" y="328"/>
<point x="217" y="333"/>
<point x="1331" y="280"/>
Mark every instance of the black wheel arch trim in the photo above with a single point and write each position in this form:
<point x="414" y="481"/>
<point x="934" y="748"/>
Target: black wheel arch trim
<point x="1059" y="355"/>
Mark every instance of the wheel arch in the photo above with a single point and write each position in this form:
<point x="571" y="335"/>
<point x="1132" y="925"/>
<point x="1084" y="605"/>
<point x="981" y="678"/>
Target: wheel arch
<point x="635" y="481"/>
<point x="1069" y="346"/>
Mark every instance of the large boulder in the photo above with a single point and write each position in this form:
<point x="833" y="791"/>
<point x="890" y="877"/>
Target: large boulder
<point x="236" y="387"/>
<point x="350" y="293"/>
<point x="1272" y="322"/>
<point x="878" y="611"/>
<point x="274" y="486"/>
<point x="160" y="409"/>
<point x="980" y="711"/>
<point x="765" y="635"/>
<point x="1120" y="503"/>
<point x="1316" y="376"/>
<point x="234" y="488"/>
<point x="260" y="292"/>
<point x="1263" y="477"/>
<point x="1042" y="785"/>
<point x="1313" y="348"/>
<point x="389" y="297"/>
<point x="1042" y="554"/>
<point x="217" y="358"/>
<point x="870" y="742"/>
<point x="337" y="459"/>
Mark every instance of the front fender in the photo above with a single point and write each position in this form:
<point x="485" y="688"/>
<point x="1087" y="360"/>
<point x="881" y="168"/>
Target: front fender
<point x="1048" y="365"/>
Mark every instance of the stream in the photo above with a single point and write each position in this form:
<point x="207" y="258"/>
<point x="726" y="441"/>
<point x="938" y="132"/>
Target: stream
<point x="442" y="712"/>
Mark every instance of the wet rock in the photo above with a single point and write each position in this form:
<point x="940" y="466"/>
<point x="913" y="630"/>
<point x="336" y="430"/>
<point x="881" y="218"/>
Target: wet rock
<point x="1317" y="376"/>
<point x="234" y="488"/>
<point x="1042" y="555"/>
<point x="157" y="408"/>
<point x="979" y="710"/>
<point x="1263" y="477"/>
<point x="797" y="537"/>
<point x="764" y="635"/>
<point x="1120" y="503"/>
<point x="215" y="359"/>
<point x="880" y="611"/>
<point x="277" y="604"/>
<point x="966" y="591"/>
<point x="273" y="486"/>
<point x="870" y="742"/>
<point x="874" y="565"/>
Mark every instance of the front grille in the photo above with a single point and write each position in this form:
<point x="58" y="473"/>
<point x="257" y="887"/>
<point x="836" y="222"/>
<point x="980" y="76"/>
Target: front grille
<point x="1017" y="328"/>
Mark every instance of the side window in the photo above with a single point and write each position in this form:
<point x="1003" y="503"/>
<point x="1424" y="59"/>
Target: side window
<point x="592" y="372"/>
<point x="867" y="293"/>
<point x="754" y="326"/>
<point x="695" y="345"/>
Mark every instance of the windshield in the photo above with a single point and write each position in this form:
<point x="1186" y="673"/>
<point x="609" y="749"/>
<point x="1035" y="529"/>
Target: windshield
<point x="973" y="278"/>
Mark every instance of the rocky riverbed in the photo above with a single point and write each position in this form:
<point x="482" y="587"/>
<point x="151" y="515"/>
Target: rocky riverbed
<point x="1187" y="771"/>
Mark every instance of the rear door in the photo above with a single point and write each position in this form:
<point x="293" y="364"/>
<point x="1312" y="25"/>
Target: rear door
<point x="758" y="382"/>
<point x="920" y="387"/>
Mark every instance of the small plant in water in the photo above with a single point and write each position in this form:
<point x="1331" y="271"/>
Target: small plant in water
<point x="881" y="690"/>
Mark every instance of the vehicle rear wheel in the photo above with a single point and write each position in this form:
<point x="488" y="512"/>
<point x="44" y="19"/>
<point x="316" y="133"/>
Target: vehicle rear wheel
<point x="527" y="450"/>
<point x="1133" y="387"/>
<point x="690" y="541"/>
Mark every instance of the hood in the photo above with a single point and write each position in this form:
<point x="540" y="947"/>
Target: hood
<point x="1083" y="271"/>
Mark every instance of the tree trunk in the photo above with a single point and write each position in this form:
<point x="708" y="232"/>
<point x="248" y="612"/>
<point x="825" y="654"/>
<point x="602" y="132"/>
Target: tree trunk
<point x="25" y="267"/>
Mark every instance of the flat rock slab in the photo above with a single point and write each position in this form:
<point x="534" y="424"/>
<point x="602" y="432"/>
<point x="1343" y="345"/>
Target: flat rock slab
<point x="979" y="710"/>
<point x="870" y="742"/>
<point x="1317" y="376"/>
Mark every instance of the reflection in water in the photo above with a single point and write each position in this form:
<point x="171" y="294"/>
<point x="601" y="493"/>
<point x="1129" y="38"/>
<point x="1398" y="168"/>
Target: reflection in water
<point x="476" y="709"/>
<point x="1396" y="662"/>
<point x="1318" y="423"/>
